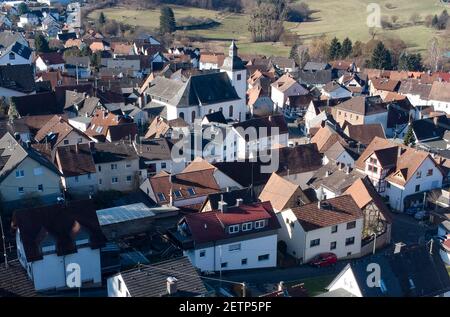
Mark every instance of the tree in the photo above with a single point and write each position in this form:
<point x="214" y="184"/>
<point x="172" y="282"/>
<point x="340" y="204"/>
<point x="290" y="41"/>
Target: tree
<point x="266" y="21"/>
<point x="442" y="20"/>
<point x="334" y="51"/>
<point x="357" y="49"/>
<point x="101" y="18"/>
<point x="434" y="54"/>
<point x="41" y="44"/>
<point x="347" y="48"/>
<point x="96" y="59"/>
<point x="410" y="62"/>
<point x="435" y="22"/>
<point x="318" y="49"/>
<point x="167" y="22"/>
<point x="409" y="137"/>
<point x="294" y="52"/>
<point x="23" y="8"/>
<point x="381" y="57"/>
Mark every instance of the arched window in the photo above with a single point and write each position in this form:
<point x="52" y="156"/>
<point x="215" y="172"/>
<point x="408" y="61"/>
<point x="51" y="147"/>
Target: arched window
<point x="193" y="116"/>
<point x="182" y="115"/>
<point x="231" y="111"/>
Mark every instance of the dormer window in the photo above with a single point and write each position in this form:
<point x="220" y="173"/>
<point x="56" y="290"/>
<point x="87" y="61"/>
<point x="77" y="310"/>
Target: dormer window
<point x="161" y="197"/>
<point x="233" y="229"/>
<point x="247" y="226"/>
<point x="191" y="191"/>
<point x="260" y="224"/>
<point x="177" y="193"/>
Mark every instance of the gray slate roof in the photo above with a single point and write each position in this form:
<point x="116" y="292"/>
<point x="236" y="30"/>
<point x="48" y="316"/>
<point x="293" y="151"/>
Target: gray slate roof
<point x="150" y="280"/>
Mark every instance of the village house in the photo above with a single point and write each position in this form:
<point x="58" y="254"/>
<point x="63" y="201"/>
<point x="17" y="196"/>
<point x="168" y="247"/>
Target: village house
<point x="382" y="86"/>
<point x="335" y="90"/>
<point x="362" y="110"/>
<point x="230" y="238"/>
<point x="16" y="54"/>
<point x="16" y="80"/>
<point x="286" y="86"/>
<point x="440" y="96"/>
<point x="333" y="225"/>
<point x="416" y="91"/>
<point x="211" y="60"/>
<point x="50" y="238"/>
<point x="77" y="166"/>
<point x="26" y="174"/>
<point x="117" y="166"/>
<point x="49" y="61"/>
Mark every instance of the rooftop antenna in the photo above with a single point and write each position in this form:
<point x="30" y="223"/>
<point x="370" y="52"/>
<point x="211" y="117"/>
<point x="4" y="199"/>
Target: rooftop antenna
<point x="4" y="243"/>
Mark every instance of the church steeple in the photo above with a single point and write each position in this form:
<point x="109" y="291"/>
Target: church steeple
<point x="232" y="51"/>
<point x="233" y="62"/>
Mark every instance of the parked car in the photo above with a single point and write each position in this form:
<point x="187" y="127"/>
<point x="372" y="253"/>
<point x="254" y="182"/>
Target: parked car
<point x="323" y="260"/>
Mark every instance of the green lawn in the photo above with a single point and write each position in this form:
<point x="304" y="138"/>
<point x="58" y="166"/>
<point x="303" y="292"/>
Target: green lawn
<point x="331" y="17"/>
<point x="315" y="285"/>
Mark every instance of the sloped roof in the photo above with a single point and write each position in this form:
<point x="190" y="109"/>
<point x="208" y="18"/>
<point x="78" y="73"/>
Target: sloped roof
<point x="14" y="281"/>
<point x="151" y="280"/>
<point x="363" y="105"/>
<point x="364" y="133"/>
<point x="333" y="211"/>
<point x="60" y="224"/>
<point x="75" y="160"/>
<point x="281" y="193"/>
<point x="37" y="104"/>
<point x="325" y="138"/>
<point x="17" y="77"/>
<point x="440" y="91"/>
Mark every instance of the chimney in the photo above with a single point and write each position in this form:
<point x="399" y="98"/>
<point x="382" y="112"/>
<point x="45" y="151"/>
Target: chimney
<point x="76" y="148"/>
<point x="398" y="247"/>
<point x="223" y="206"/>
<point x="348" y="170"/>
<point x="400" y="151"/>
<point x="239" y="202"/>
<point x="281" y="286"/>
<point x="172" y="284"/>
<point x="319" y="204"/>
<point x="327" y="173"/>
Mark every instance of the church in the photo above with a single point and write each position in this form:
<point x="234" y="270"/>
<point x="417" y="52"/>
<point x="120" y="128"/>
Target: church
<point x="211" y="91"/>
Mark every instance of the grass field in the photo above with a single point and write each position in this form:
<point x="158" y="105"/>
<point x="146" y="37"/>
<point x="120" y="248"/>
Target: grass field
<point x="331" y="17"/>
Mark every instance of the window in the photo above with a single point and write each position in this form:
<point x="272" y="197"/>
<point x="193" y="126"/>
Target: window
<point x="114" y="180"/>
<point x="191" y="191"/>
<point x="224" y="265"/>
<point x="182" y="115"/>
<point x="247" y="226"/>
<point x="161" y="197"/>
<point x="334" y="229"/>
<point x="373" y="160"/>
<point x="89" y="175"/>
<point x="234" y="247"/>
<point x="193" y="116"/>
<point x="350" y="241"/>
<point x="128" y="165"/>
<point x="417" y="188"/>
<point x="239" y="76"/>
<point x="244" y="262"/>
<point x="40" y="187"/>
<point x="119" y="285"/>
<point x="129" y="178"/>
<point x="373" y="169"/>
<point x="99" y="181"/>
<point x="430" y="172"/>
<point x="202" y="253"/>
<point x="163" y="165"/>
<point x="20" y="190"/>
<point x="20" y="173"/>
<point x="80" y="140"/>
<point x="76" y="179"/>
<point x="418" y="174"/>
<point x="340" y="112"/>
<point x="113" y="166"/>
<point x="66" y="142"/>
<point x="233" y="229"/>
<point x="349" y="253"/>
<point x="99" y="168"/>
<point x="259" y="224"/>
<point x="351" y="225"/>
<point x="12" y="56"/>
<point x="177" y="194"/>
<point x="333" y="245"/>
<point x="230" y="114"/>
<point x="263" y="257"/>
<point x="314" y="243"/>
<point x="38" y="171"/>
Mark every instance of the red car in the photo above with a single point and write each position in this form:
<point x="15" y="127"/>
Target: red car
<point x="324" y="259"/>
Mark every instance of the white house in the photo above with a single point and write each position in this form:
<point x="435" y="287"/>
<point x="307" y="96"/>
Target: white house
<point x="50" y="61"/>
<point x="16" y="54"/>
<point x="439" y="96"/>
<point x="333" y="225"/>
<point x="334" y="90"/>
<point x="70" y="243"/>
<point x="286" y="87"/>
<point x="245" y="237"/>
<point x="28" y="19"/>
<point x="401" y="174"/>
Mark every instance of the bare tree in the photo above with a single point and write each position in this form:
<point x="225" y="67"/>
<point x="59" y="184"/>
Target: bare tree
<point x="434" y="54"/>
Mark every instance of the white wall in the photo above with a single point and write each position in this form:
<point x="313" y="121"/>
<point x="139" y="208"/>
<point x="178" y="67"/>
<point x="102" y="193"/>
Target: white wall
<point x="250" y="250"/>
<point x="113" y="287"/>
